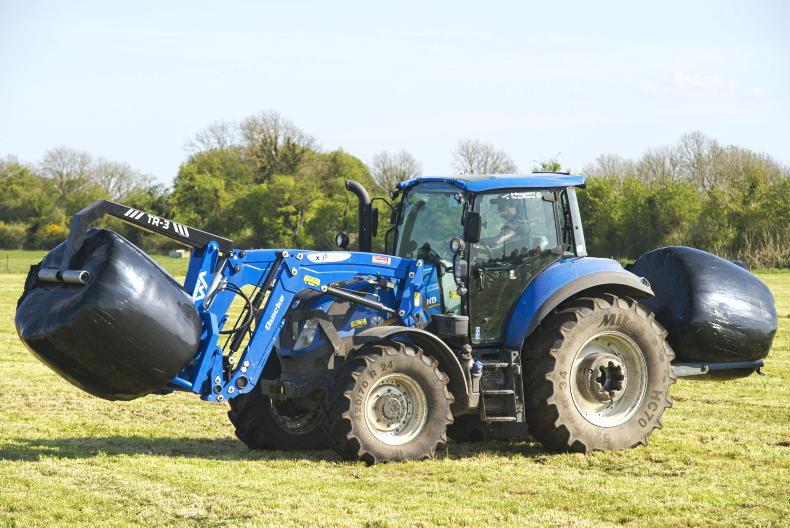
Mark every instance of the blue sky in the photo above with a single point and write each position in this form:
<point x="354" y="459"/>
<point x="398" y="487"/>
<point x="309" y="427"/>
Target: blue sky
<point x="133" y="81"/>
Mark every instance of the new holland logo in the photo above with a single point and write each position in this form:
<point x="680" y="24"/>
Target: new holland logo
<point x="200" y="287"/>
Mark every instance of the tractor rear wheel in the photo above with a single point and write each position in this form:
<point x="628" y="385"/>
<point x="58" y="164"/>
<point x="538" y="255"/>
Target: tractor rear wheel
<point x="597" y="375"/>
<point x="388" y="402"/>
<point x="288" y="425"/>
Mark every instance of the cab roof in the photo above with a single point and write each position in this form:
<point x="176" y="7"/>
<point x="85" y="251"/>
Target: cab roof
<point x="491" y="182"/>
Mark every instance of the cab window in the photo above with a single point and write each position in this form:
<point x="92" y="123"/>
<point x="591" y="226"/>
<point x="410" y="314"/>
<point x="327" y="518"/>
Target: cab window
<point x="515" y="224"/>
<point x="430" y="218"/>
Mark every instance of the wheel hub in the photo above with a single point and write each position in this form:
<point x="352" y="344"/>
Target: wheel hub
<point x="396" y="409"/>
<point x="602" y="377"/>
<point x="608" y="379"/>
<point x="611" y="379"/>
<point x="390" y="408"/>
<point x="296" y="416"/>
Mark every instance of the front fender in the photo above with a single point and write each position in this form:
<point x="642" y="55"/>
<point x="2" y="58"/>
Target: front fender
<point x="562" y="280"/>
<point x="447" y="359"/>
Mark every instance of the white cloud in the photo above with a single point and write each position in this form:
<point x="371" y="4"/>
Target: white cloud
<point x="697" y="83"/>
<point x="684" y="84"/>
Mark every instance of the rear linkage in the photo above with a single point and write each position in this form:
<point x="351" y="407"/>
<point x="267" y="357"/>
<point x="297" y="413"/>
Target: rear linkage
<point x="217" y="273"/>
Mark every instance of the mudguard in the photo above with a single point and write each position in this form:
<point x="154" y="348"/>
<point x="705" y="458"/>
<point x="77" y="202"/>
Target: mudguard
<point x="560" y="281"/>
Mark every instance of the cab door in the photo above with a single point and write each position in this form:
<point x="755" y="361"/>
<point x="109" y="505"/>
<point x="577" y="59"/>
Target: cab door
<point x="519" y="238"/>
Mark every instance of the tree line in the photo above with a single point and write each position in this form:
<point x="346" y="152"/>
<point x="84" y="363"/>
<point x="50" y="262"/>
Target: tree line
<point x="264" y="182"/>
<point x="727" y="200"/>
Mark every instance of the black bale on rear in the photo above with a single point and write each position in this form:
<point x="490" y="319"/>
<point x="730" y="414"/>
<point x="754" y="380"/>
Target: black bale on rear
<point x="714" y="310"/>
<point x="121" y="336"/>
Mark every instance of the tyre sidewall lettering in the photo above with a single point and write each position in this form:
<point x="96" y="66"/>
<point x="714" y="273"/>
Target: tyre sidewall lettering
<point x="650" y="409"/>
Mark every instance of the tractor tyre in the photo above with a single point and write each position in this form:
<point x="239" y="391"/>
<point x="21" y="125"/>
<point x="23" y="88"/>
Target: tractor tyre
<point x="597" y="375"/>
<point x="388" y="402"/>
<point x="284" y="425"/>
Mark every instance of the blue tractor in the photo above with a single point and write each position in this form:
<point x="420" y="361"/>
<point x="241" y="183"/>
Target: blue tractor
<point x="482" y="316"/>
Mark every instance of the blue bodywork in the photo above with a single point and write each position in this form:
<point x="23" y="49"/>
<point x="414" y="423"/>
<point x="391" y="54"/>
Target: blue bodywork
<point x="396" y="283"/>
<point x="407" y="291"/>
<point x="477" y="183"/>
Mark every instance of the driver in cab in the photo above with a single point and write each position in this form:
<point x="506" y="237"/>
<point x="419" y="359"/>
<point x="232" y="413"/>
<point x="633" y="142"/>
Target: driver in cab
<point x="515" y="226"/>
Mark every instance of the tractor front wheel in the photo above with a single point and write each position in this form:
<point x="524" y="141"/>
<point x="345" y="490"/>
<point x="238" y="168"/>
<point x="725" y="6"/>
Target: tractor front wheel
<point x="388" y="402"/>
<point x="287" y="425"/>
<point x="597" y="375"/>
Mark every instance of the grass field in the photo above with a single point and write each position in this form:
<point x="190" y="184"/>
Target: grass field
<point x="723" y="458"/>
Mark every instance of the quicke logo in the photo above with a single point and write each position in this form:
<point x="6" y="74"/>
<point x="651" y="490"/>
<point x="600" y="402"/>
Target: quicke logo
<point x="277" y="306"/>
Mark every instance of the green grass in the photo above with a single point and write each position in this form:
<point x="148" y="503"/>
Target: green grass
<point x="723" y="458"/>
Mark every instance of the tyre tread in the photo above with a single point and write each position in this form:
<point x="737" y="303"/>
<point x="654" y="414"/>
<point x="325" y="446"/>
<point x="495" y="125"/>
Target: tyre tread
<point x="542" y="349"/>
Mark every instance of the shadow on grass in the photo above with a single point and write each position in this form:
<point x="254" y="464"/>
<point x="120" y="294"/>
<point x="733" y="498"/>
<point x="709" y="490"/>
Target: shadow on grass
<point x="31" y="449"/>
<point x="87" y="447"/>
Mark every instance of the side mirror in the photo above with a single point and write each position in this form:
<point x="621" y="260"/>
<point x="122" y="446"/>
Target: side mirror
<point x="374" y="221"/>
<point x="460" y="269"/>
<point x="460" y="265"/>
<point x="341" y="240"/>
<point x="472" y="227"/>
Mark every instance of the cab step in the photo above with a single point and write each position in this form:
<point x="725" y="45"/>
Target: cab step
<point x="494" y="364"/>
<point x="501" y="419"/>
<point x="501" y="389"/>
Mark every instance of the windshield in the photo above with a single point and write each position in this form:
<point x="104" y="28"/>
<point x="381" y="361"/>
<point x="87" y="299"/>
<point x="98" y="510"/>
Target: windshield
<point x="430" y="218"/>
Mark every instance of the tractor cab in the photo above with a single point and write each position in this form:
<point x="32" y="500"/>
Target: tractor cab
<point x="487" y="236"/>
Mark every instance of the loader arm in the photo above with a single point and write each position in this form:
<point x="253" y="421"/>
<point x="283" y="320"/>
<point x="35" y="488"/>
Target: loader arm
<point x="277" y="276"/>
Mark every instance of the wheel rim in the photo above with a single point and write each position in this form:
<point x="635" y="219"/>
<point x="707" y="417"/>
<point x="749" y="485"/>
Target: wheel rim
<point x="396" y="409"/>
<point x="294" y="420"/>
<point x="608" y="379"/>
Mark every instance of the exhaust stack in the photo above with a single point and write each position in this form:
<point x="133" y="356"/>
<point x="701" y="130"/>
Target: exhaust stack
<point x="365" y="215"/>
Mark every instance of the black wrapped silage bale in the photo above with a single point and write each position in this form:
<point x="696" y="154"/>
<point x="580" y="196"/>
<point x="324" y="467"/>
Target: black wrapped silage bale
<point x="714" y="310"/>
<point x="121" y="336"/>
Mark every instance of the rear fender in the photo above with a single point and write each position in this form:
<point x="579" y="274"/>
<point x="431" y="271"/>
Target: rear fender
<point x="428" y="342"/>
<point x="561" y="281"/>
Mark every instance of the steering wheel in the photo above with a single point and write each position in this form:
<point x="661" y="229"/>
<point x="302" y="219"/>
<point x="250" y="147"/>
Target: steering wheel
<point x="428" y="254"/>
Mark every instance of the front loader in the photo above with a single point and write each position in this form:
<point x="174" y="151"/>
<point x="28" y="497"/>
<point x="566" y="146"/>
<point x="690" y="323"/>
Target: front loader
<point x="483" y="314"/>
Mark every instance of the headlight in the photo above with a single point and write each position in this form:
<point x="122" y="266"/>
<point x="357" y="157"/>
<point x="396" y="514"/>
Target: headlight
<point x="307" y="335"/>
